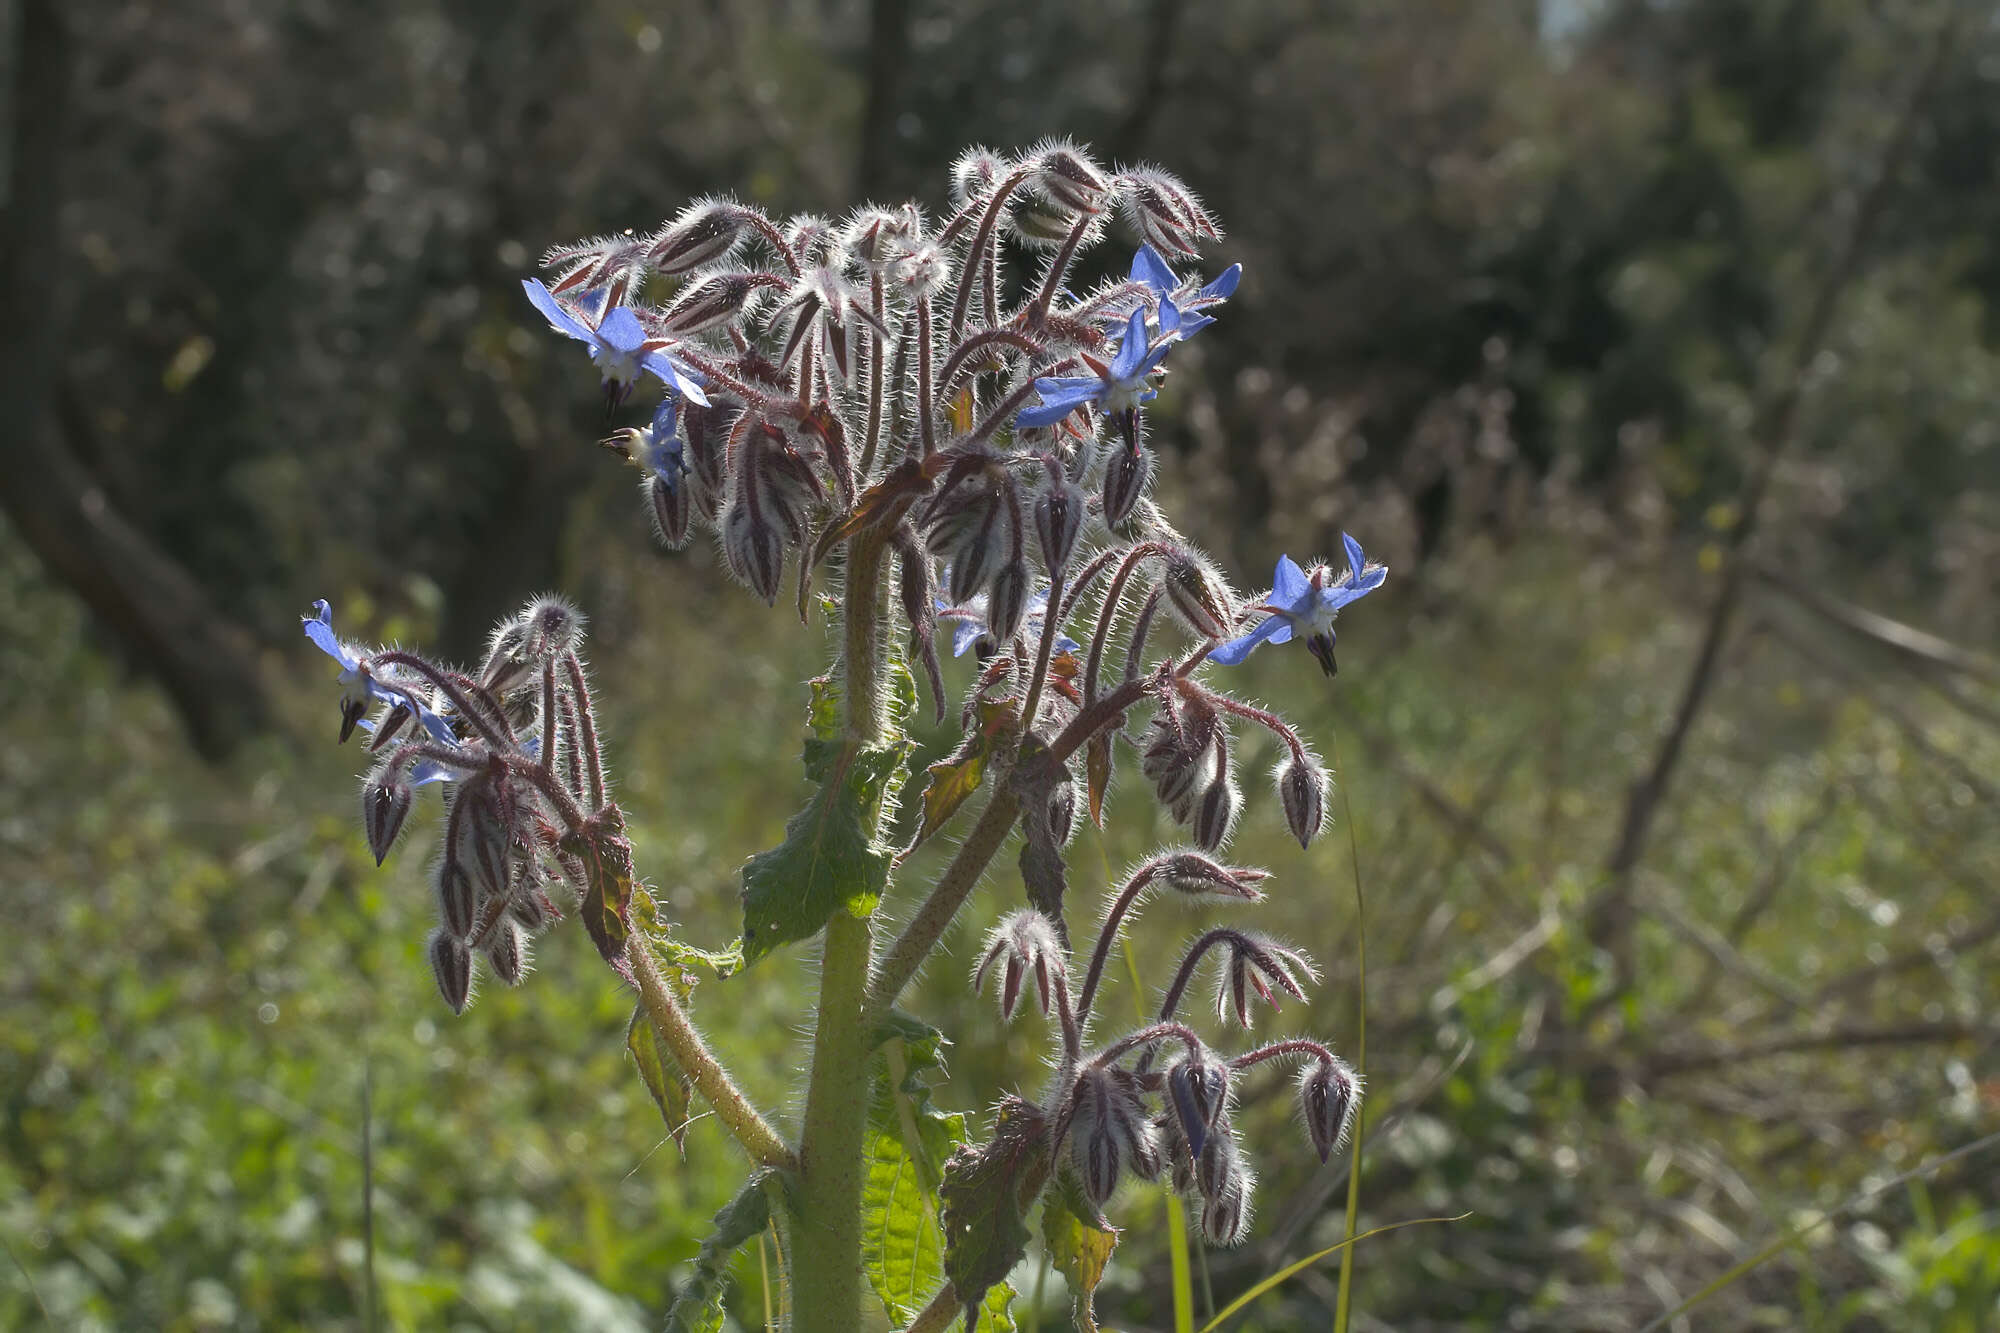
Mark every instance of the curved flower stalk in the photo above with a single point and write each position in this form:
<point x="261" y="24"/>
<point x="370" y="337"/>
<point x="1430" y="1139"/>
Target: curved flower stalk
<point x="865" y="395"/>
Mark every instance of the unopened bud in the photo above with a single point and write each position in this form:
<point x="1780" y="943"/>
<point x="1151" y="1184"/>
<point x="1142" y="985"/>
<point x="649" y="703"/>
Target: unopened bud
<point x="458" y="899"/>
<point x="1225" y="1216"/>
<point x="479" y="835"/>
<point x="1039" y="222"/>
<point x="1198" y="1091"/>
<point x="709" y="304"/>
<point x="754" y="549"/>
<point x="1329" y="1092"/>
<point x="702" y="235"/>
<point x="1302" y="791"/>
<point x="671" y="507"/>
<point x="1125" y="476"/>
<point x="1193" y="873"/>
<point x="504" y="950"/>
<point x="1059" y="522"/>
<point x="1220" y="1162"/>
<point x="384" y="805"/>
<point x="1215" y="814"/>
<point x="531" y="910"/>
<point x="550" y="627"/>
<point x="1024" y="942"/>
<point x="1062" y="808"/>
<point x="1198" y="595"/>
<point x="1110" y="1131"/>
<point x="1007" y="600"/>
<point x="707" y="429"/>
<point x="975" y="174"/>
<point x="451" y="963"/>
<point x="1164" y="211"/>
<point x="1070" y="180"/>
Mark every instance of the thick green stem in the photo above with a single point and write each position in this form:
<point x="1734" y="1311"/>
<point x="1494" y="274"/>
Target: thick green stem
<point x="826" y="1241"/>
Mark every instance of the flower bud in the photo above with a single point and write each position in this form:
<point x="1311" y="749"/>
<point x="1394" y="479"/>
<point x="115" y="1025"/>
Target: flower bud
<point x="504" y="950"/>
<point x="1329" y="1092"/>
<point x="923" y="270"/>
<point x="1007" y="600"/>
<point x="1070" y="180"/>
<point x="975" y="174"/>
<point x="1198" y="1092"/>
<point x="479" y="835"/>
<point x="1225" y="1215"/>
<point x="1110" y="1131"/>
<point x="1220" y="1162"/>
<point x="754" y="549"/>
<point x="1193" y="873"/>
<point x="1198" y="596"/>
<point x="707" y="430"/>
<point x="1302" y="791"/>
<point x="1254" y="965"/>
<point x="1062" y="808"/>
<point x="384" y="805"/>
<point x="1215" y="814"/>
<point x="550" y="627"/>
<point x="531" y="909"/>
<point x="671" y="509"/>
<point x="1126" y="473"/>
<point x="704" y="234"/>
<point x="451" y="963"/>
<point x="1026" y="941"/>
<point x="458" y="899"/>
<point x="710" y="304"/>
<point x="1164" y="211"/>
<point x="1059" y="512"/>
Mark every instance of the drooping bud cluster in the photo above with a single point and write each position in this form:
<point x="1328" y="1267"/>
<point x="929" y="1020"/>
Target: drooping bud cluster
<point x="514" y="750"/>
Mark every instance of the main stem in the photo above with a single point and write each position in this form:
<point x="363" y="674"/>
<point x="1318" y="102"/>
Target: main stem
<point x="826" y="1244"/>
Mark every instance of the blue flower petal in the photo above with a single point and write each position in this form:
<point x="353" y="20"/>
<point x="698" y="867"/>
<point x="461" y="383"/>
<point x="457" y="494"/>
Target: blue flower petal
<point x="319" y="628"/>
<point x="1288" y="584"/>
<point x="1275" y="629"/>
<point x="1356" y="561"/>
<point x="621" y="331"/>
<point x="559" y="319"/>
<point x="965" y="634"/>
<point x="1224" y="285"/>
<point x="1149" y="268"/>
<point x="678" y="378"/>
<point x="1059" y="399"/>
<point x="1132" y="351"/>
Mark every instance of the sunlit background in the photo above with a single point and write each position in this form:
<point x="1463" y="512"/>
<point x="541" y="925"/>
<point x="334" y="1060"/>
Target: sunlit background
<point x="1654" y="344"/>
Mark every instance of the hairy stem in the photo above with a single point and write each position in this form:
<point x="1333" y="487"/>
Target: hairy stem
<point x="902" y="959"/>
<point x="671" y="1022"/>
<point x="826" y="1249"/>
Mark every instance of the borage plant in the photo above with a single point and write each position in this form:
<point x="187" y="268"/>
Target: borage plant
<point x="862" y="402"/>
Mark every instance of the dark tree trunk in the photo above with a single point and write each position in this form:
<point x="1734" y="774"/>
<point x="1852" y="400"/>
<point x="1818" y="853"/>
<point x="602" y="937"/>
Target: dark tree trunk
<point x="156" y="611"/>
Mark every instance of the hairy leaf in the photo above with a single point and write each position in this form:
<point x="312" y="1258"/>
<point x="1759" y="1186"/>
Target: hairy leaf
<point x="831" y="859"/>
<point x="987" y="1191"/>
<point x="672" y="1089"/>
<point x="954" y="780"/>
<point x="1079" y="1242"/>
<point x="606" y="854"/>
<point x="698" y="1306"/>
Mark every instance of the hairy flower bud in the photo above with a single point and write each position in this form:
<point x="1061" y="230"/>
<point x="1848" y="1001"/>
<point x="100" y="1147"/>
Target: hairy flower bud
<point x="479" y="834"/>
<point x="1070" y="180"/>
<point x="1225" y="1215"/>
<point x="754" y="549"/>
<point x="550" y="627"/>
<point x="1198" y="1092"/>
<point x="1110" y="1132"/>
<point x="1166" y="213"/>
<point x="1025" y="943"/>
<point x="709" y="304"/>
<point x="505" y="951"/>
<point x="671" y="508"/>
<point x="1062" y="807"/>
<point x="1183" y="753"/>
<point x="1198" y="595"/>
<point x="1126" y="473"/>
<point x="1059" y="512"/>
<point x="1302" y="791"/>
<point x="1255" y="965"/>
<point x="1215" y="814"/>
<point x="1329" y="1092"/>
<point x="384" y="806"/>
<point x="451" y="964"/>
<point x="1219" y="1164"/>
<point x="975" y="174"/>
<point x="458" y="898"/>
<point x="1193" y="873"/>
<point x="1038" y="222"/>
<point x="707" y="430"/>
<point x="706" y="233"/>
<point x="1007" y="600"/>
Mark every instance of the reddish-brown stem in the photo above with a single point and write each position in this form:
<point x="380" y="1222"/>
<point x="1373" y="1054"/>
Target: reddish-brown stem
<point x="501" y="738"/>
<point x="586" y="733"/>
<point x="1058" y="269"/>
<point x="980" y="241"/>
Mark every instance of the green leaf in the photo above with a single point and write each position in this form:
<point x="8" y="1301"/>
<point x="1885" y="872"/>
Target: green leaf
<point x="1079" y="1242"/>
<point x="672" y="1089"/>
<point x="698" y="1306"/>
<point x="908" y="1140"/>
<point x="832" y="858"/>
<point x="987" y="1191"/>
<point x="954" y="779"/>
<point x="606" y="854"/>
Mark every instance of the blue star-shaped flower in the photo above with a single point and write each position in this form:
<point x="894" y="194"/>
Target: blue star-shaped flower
<point x="1118" y="387"/>
<point x="971" y="622"/>
<point x="657" y="449"/>
<point x="619" y="346"/>
<point x="365" y="688"/>
<point x="1306" y="604"/>
<point x="1152" y="270"/>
